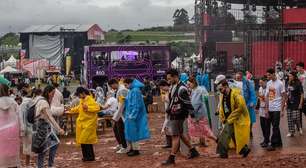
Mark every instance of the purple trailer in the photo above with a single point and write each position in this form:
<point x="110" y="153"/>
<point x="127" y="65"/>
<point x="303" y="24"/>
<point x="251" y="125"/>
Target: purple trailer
<point x="116" y="61"/>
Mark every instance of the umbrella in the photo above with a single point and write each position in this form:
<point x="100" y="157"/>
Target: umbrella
<point x="4" y="81"/>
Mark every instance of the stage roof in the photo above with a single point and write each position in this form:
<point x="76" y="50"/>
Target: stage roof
<point x="57" y="28"/>
<point x="269" y="2"/>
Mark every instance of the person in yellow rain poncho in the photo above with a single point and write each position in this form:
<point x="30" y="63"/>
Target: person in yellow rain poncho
<point x="235" y="117"/>
<point x="86" y="124"/>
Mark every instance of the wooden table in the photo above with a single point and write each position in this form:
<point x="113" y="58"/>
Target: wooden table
<point x="71" y="116"/>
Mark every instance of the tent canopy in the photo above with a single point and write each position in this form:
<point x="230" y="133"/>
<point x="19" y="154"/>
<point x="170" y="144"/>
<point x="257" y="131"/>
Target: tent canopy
<point x="8" y="69"/>
<point x="12" y="59"/>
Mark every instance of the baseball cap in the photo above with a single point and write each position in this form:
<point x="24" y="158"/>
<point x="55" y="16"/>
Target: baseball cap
<point x="219" y="78"/>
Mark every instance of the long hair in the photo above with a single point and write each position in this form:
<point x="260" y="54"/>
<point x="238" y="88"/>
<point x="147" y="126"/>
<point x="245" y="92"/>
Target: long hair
<point x="295" y="78"/>
<point x="48" y="89"/>
<point x="81" y="90"/>
<point x="4" y="90"/>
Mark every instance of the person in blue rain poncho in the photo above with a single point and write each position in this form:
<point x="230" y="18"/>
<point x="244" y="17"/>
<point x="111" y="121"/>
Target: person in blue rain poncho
<point x="247" y="88"/>
<point x="136" y="122"/>
<point x="184" y="78"/>
<point x="203" y="80"/>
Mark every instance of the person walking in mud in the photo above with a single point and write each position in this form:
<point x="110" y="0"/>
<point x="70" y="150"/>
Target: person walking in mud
<point x="234" y="115"/>
<point x="178" y="110"/>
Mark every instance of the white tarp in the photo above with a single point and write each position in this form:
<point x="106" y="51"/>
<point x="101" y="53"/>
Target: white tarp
<point x="8" y="69"/>
<point x="47" y="47"/>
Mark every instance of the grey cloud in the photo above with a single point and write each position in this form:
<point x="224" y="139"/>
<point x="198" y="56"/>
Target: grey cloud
<point x="15" y="15"/>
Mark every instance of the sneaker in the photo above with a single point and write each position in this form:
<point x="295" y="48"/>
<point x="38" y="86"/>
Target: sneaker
<point x="166" y="146"/>
<point x="264" y="145"/>
<point x="118" y="147"/>
<point x="193" y="153"/>
<point x="169" y="161"/>
<point x="290" y="135"/>
<point x="301" y="132"/>
<point x="122" y="151"/>
<point x="223" y="156"/>
<point x="270" y="148"/>
<point x="130" y="151"/>
<point x="246" y="153"/>
<point x="133" y="153"/>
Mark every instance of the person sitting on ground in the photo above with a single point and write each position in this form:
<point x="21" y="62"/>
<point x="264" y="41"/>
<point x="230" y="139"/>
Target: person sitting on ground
<point x="110" y="107"/>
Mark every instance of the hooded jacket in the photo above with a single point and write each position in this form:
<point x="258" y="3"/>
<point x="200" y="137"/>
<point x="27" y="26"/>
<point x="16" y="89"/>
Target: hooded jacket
<point x="136" y="122"/>
<point x="239" y="117"/>
<point x="86" y="124"/>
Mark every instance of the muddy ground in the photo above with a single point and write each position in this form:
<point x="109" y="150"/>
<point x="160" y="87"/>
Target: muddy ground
<point x="293" y="154"/>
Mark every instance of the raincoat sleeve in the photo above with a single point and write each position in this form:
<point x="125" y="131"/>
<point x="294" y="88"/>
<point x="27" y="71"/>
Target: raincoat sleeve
<point x="75" y="109"/>
<point x="134" y="104"/>
<point x="50" y="118"/>
<point x="238" y="111"/>
<point x="252" y="92"/>
<point x="57" y="111"/>
<point x="221" y="110"/>
<point x="21" y="118"/>
<point x="93" y="106"/>
<point x="196" y="101"/>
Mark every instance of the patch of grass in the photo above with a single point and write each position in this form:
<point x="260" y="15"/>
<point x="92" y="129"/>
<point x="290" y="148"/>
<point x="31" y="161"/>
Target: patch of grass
<point x="148" y="35"/>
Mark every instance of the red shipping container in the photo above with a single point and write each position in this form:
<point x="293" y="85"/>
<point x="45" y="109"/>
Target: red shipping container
<point x="294" y="15"/>
<point x="264" y="56"/>
<point x="295" y="50"/>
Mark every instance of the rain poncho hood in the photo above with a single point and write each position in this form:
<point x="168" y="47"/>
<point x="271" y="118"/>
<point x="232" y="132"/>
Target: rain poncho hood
<point x="184" y="78"/>
<point x="136" y="84"/>
<point x="136" y="122"/>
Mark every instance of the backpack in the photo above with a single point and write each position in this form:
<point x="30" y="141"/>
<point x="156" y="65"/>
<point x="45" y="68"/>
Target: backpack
<point x="30" y="112"/>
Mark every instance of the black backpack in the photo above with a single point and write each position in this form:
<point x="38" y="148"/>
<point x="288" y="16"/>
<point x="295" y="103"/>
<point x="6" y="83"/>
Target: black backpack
<point x="30" y="112"/>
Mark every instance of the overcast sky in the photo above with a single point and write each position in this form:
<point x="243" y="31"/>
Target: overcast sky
<point x="16" y="15"/>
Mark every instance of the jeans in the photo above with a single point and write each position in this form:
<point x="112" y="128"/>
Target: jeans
<point x="224" y="139"/>
<point x="264" y="123"/>
<point x="274" y="119"/>
<point x="41" y="156"/>
<point x="119" y="133"/>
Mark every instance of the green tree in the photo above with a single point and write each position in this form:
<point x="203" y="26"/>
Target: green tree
<point x="179" y="49"/>
<point x="10" y="39"/>
<point x="180" y="17"/>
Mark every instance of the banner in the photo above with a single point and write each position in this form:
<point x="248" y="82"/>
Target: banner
<point x="22" y="55"/>
<point x="68" y="64"/>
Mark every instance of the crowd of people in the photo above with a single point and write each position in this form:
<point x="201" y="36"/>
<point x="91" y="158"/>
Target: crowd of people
<point x="32" y="118"/>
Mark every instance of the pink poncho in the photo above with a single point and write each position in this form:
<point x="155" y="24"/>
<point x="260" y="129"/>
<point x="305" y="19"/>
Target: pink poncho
<point x="9" y="133"/>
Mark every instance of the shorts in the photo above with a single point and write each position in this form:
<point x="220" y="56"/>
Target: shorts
<point x="176" y="127"/>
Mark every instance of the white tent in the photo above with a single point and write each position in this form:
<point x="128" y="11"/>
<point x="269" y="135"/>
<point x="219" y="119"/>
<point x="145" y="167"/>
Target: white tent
<point x="8" y="69"/>
<point x="11" y="62"/>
